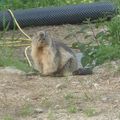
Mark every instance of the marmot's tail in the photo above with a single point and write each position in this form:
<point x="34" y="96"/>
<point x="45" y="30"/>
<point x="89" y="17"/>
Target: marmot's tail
<point x="83" y="71"/>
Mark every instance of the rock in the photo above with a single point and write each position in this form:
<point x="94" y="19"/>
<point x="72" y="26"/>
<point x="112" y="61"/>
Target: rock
<point x="57" y="107"/>
<point x="38" y="110"/>
<point x="61" y="86"/>
<point x="105" y="99"/>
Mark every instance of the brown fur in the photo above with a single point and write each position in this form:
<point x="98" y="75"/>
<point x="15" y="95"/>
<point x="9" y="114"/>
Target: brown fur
<point x="51" y="57"/>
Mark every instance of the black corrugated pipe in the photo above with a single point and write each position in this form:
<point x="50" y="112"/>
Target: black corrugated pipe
<point x="72" y="14"/>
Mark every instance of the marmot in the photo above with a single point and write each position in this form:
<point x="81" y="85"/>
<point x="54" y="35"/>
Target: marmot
<point x="53" y="58"/>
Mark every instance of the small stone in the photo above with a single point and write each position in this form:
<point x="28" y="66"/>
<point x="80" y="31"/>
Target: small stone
<point x="104" y="99"/>
<point x="96" y="85"/>
<point x="57" y="107"/>
<point x="60" y="86"/>
<point x="38" y="110"/>
<point x="116" y="101"/>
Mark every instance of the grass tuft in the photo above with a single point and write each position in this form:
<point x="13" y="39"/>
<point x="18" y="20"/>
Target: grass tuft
<point x="72" y="109"/>
<point x="15" y="4"/>
<point x="89" y="112"/>
<point x="26" y="110"/>
<point x="8" y="117"/>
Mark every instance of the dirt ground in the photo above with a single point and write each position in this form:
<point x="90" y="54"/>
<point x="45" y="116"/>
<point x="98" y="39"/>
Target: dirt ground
<point x="91" y="97"/>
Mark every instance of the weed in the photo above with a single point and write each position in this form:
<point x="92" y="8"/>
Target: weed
<point x="51" y="115"/>
<point x="72" y="109"/>
<point x="89" y="112"/>
<point x="68" y="96"/>
<point x="8" y="117"/>
<point x="26" y="110"/>
<point x="14" y="4"/>
<point x="103" y="46"/>
<point x="46" y="103"/>
<point x="69" y="99"/>
<point x="86" y="96"/>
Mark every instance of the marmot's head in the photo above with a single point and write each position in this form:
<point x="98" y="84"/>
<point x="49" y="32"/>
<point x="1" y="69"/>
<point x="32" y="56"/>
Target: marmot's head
<point x="40" y="39"/>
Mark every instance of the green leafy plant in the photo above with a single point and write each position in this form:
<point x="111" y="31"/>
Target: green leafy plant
<point x="104" y="45"/>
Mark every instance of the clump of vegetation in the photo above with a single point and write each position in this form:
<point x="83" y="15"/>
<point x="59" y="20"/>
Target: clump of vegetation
<point x="26" y="110"/>
<point x="72" y="109"/>
<point x="68" y="96"/>
<point x="103" y="46"/>
<point x="89" y="112"/>
<point x="51" y="115"/>
<point x="8" y="117"/>
<point x="15" y="4"/>
<point x="7" y="59"/>
<point x="47" y="103"/>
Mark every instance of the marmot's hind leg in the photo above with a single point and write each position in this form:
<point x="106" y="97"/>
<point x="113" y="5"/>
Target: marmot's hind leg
<point x="69" y="67"/>
<point x="67" y="70"/>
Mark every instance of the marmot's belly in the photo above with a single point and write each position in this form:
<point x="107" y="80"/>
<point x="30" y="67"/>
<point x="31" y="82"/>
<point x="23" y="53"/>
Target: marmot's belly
<point x="49" y="66"/>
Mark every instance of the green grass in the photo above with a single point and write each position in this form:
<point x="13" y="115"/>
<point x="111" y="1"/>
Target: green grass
<point x="70" y="99"/>
<point x="19" y="64"/>
<point x="12" y="62"/>
<point x="15" y="4"/>
<point x="89" y="112"/>
<point x="7" y="59"/>
<point x="68" y="96"/>
<point x="8" y="117"/>
<point x="51" y="115"/>
<point x="72" y="109"/>
<point x="26" y="110"/>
